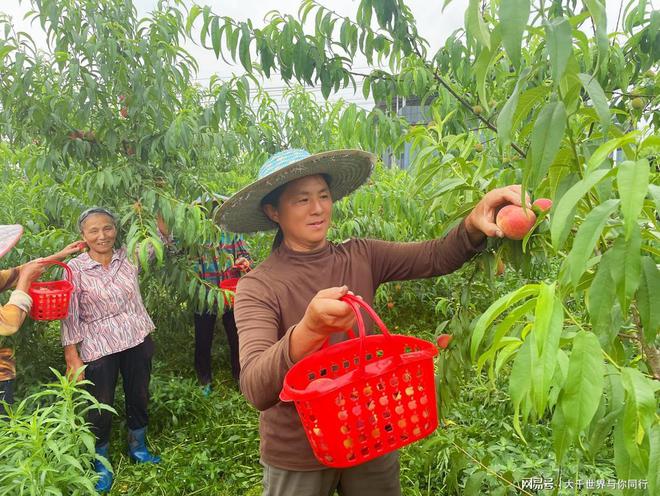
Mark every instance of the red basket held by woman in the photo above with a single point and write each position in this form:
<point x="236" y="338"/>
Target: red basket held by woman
<point x="364" y="397"/>
<point x="229" y="285"/>
<point x="50" y="299"/>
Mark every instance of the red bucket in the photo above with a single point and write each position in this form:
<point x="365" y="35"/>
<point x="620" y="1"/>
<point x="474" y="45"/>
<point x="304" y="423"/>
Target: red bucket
<point x="50" y="299"/>
<point x="364" y="397"/>
<point x="229" y="285"/>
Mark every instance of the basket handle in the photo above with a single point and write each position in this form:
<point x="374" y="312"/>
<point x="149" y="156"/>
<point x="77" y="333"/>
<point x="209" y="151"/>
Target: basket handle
<point x="357" y="304"/>
<point x="69" y="274"/>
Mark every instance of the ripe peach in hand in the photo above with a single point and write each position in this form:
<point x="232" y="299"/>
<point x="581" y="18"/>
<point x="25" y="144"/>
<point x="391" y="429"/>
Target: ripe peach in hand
<point x="541" y="205"/>
<point x="515" y="222"/>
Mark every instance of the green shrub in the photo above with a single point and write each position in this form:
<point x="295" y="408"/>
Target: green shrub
<point x="46" y="447"/>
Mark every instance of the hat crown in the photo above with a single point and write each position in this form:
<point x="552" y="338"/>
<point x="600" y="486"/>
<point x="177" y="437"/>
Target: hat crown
<point x="282" y="159"/>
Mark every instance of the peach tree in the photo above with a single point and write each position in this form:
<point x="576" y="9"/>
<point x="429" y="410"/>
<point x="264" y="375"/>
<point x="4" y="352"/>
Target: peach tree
<point x="543" y="95"/>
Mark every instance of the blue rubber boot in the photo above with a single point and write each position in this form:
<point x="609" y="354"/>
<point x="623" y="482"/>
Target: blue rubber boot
<point x="137" y="447"/>
<point x="104" y="483"/>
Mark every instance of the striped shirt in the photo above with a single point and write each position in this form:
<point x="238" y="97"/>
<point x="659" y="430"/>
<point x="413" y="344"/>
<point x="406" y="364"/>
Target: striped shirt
<point x="218" y="262"/>
<point x="106" y="313"/>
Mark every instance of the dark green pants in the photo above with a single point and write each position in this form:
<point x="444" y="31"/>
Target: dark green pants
<point x="379" y="477"/>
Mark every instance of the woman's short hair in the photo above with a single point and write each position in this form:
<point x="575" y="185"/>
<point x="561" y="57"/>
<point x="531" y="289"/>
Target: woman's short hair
<point x="95" y="210"/>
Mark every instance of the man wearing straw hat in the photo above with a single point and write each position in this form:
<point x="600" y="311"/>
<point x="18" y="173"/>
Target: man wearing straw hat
<point x="18" y="307"/>
<point x="288" y="306"/>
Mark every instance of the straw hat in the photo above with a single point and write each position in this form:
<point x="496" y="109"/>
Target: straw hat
<point x="9" y="236"/>
<point x="347" y="169"/>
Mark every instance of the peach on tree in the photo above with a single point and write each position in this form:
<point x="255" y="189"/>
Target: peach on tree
<point x="515" y="222"/>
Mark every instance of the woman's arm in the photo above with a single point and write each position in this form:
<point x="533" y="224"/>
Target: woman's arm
<point x="404" y="261"/>
<point x="12" y="316"/>
<point x="265" y="359"/>
<point x="8" y="278"/>
<point x="73" y="362"/>
<point x="14" y="312"/>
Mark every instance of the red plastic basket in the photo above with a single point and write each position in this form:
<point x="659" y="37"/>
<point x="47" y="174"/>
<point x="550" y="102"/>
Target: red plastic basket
<point x="50" y="299"/>
<point x="229" y="285"/>
<point x="364" y="397"/>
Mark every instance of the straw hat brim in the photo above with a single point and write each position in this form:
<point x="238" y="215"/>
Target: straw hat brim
<point x="347" y="169"/>
<point x="9" y="236"/>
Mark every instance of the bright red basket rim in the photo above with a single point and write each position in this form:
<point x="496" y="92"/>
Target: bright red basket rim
<point x="371" y="369"/>
<point x="46" y="287"/>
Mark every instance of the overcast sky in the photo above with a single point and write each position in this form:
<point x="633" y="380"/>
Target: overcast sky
<point x="432" y="23"/>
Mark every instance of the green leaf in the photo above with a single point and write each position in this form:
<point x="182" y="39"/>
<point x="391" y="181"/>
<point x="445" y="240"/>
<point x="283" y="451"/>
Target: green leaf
<point x="201" y="296"/>
<point x="546" y="139"/>
<point x="586" y="239"/>
<point x="641" y="391"/>
<point x="647" y="296"/>
<point x="653" y="476"/>
<point x="492" y="312"/>
<point x="565" y="209"/>
<point x="583" y="388"/>
<point x="474" y="483"/>
<point x="505" y="117"/>
<point x="638" y="416"/>
<point x="195" y="10"/>
<point x="244" y="49"/>
<point x="520" y="382"/>
<point x="533" y="97"/>
<point x="626" y="469"/>
<point x="503" y="328"/>
<point x="633" y="182"/>
<point x="597" y="10"/>
<point x="602" y="297"/>
<point x="475" y="25"/>
<point x="562" y="435"/>
<point x="144" y="255"/>
<point x="604" y="150"/>
<point x="654" y="189"/>
<point x="560" y="39"/>
<point x="626" y="266"/>
<point x="506" y="352"/>
<point x="513" y="17"/>
<point x="600" y="433"/>
<point x="481" y="71"/>
<point x="158" y="248"/>
<point x="216" y="36"/>
<point x="548" y="325"/>
<point x="598" y="98"/>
